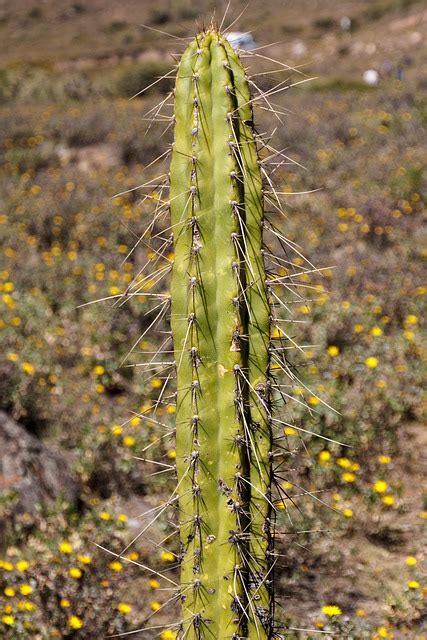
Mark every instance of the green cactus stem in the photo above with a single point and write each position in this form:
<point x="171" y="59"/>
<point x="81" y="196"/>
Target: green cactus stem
<point x="220" y="318"/>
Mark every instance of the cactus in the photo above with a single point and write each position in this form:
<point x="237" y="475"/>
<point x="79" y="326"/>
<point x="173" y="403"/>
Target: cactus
<point x="220" y="320"/>
<point x="228" y="344"/>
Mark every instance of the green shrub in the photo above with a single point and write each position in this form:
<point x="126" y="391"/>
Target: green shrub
<point x="133" y="78"/>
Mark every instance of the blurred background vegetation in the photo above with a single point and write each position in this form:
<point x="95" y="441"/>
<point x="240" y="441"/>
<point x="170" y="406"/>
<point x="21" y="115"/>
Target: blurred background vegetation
<point x="72" y="419"/>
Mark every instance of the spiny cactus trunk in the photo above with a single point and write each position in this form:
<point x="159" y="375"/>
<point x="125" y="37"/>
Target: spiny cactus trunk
<point x="220" y="317"/>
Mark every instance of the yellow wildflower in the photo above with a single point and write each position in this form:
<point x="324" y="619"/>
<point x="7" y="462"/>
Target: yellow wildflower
<point x="65" y="547"/>
<point x="135" y="422"/>
<point x="331" y="610"/>
<point x="358" y="328"/>
<point x="324" y="456"/>
<point x="84" y="559"/>
<point x="380" y="486"/>
<point x="168" y="634"/>
<point x="348" y="477"/>
<point x="114" y="291"/>
<point x="167" y="556"/>
<point x="22" y="565"/>
<point x="116" y="430"/>
<point x="347" y="513"/>
<point x="384" y="459"/>
<point x="411" y="561"/>
<point x="74" y="622"/>
<point x="388" y="501"/>
<point x="122" y="517"/>
<point x="98" y="370"/>
<point x="371" y="362"/>
<point x="413" y="584"/>
<point x="64" y="603"/>
<point x="104" y="515"/>
<point x="290" y="431"/>
<point x="26" y="605"/>
<point x="124" y="608"/>
<point x="344" y="463"/>
<point x="376" y="331"/>
<point x="313" y="401"/>
<point x="333" y="351"/>
<point x="8" y="300"/>
<point x="9" y="592"/>
<point x="25" y="589"/>
<point x="304" y="309"/>
<point x="8" y="620"/>
<point x="116" y="566"/>
<point x="156" y="383"/>
<point x="411" y="319"/>
<point x="154" y="584"/>
<point x="155" y="606"/>
<point x="129" y="441"/>
<point x="75" y="572"/>
<point x="27" y="368"/>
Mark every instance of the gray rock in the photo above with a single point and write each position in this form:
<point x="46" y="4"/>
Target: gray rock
<point x="34" y="472"/>
<point x="90" y="157"/>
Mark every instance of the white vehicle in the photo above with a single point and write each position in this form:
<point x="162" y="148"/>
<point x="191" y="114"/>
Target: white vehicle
<point x="240" y="40"/>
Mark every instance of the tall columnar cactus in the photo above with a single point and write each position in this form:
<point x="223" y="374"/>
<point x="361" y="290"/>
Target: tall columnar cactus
<point x="220" y="319"/>
<point x="229" y="345"/>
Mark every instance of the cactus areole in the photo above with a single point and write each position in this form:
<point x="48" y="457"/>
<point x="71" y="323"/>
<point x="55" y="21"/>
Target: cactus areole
<point x="220" y="317"/>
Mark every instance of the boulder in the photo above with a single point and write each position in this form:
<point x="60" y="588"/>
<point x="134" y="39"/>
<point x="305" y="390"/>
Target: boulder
<point x="31" y="470"/>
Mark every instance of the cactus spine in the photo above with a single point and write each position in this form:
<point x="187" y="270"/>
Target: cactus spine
<point x="220" y="319"/>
